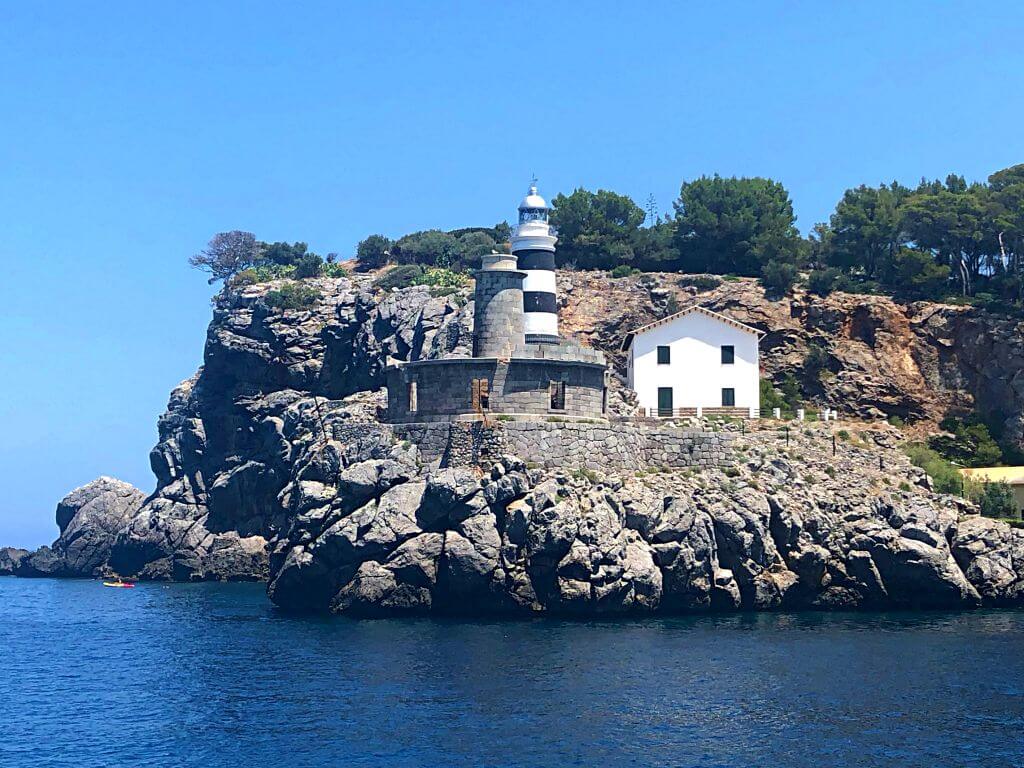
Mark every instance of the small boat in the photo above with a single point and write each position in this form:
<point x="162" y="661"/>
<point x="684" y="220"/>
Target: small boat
<point x="119" y="583"/>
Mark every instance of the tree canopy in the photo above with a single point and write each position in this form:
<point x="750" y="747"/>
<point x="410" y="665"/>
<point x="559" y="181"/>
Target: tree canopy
<point x="734" y="226"/>
<point x="947" y="240"/>
<point x="938" y="240"/>
<point x="227" y="254"/>
<point x="596" y="230"/>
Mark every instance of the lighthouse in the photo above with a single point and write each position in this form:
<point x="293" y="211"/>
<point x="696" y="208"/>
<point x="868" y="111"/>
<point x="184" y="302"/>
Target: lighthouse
<point x="534" y="248"/>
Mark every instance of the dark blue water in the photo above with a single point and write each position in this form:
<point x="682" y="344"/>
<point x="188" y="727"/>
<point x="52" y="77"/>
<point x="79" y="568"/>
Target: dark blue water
<point x="211" y="675"/>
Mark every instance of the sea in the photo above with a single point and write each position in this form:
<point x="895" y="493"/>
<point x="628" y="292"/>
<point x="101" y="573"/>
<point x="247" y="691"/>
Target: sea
<point x="213" y="675"/>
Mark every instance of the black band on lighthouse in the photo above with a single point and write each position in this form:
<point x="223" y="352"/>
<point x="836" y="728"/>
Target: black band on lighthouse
<point x="539" y="301"/>
<point x="535" y="259"/>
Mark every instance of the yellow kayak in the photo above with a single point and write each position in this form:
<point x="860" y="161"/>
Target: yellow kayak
<point x="124" y="584"/>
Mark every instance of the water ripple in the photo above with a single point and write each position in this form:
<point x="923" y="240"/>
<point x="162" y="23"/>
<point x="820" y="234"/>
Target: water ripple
<point x="212" y="676"/>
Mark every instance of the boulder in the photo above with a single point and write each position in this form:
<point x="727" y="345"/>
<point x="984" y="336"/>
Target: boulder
<point x="10" y="557"/>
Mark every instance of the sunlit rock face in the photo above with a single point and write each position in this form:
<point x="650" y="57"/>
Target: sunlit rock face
<point x="272" y="464"/>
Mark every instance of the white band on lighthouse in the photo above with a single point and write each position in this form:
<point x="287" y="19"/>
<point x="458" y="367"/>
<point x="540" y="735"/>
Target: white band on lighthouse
<point x="534" y="247"/>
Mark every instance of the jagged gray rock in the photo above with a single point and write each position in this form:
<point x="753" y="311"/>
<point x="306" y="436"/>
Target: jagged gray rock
<point x="782" y="532"/>
<point x="271" y="465"/>
<point x="10" y="557"/>
<point x="89" y="519"/>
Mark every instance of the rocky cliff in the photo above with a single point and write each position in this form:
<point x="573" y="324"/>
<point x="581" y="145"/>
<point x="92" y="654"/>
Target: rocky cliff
<point x="918" y="361"/>
<point x="268" y="466"/>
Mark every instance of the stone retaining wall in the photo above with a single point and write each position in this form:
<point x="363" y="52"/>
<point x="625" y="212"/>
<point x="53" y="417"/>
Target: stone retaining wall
<point x="572" y="445"/>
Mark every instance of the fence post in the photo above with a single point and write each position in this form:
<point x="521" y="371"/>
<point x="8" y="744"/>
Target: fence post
<point x="787" y="435"/>
<point x="776" y="413"/>
<point x="700" y="412"/>
<point x="833" y="445"/>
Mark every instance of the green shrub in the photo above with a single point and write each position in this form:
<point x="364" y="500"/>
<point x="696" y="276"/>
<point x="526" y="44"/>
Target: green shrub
<point x="843" y="435"/>
<point x="790" y="389"/>
<point x="816" y="362"/>
<point x="772" y="398"/>
<point x="624" y="270"/>
<point x="994" y="499"/>
<point x="778" y="277"/>
<point x="946" y="477"/>
<point x="700" y="282"/>
<point x="309" y="265"/>
<point x="373" y="252"/>
<point x="262" y="273"/>
<point x="401" y="276"/>
<point x="823" y="281"/>
<point x="432" y="248"/>
<point x="969" y="444"/>
<point x="334" y="270"/>
<point x="268" y="272"/>
<point x="441" y="277"/>
<point x="292" y="296"/>
<point x="582" y="473"/>
<point x="283" y="254"/>
<point x="243" y="278"/>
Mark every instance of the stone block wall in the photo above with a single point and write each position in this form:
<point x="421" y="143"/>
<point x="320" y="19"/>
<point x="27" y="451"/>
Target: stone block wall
<point x="571" y="445"/>
<point x="444" y="388"/>
<point x="498" y="319"/>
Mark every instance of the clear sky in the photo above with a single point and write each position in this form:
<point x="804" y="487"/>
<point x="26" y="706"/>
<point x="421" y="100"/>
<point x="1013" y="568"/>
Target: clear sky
<point x="131" y="132"/>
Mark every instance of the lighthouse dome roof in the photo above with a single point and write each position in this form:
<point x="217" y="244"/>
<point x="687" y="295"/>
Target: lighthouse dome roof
<point x="532" y="200"/>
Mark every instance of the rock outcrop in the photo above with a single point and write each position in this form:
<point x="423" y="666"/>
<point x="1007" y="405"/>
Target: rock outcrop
<point x="918" y="361"/>
<point x="10" y="557"/>
<point x="89" y="519"/>
<point x="786" y="528"/>
<point x="271" y="465"/>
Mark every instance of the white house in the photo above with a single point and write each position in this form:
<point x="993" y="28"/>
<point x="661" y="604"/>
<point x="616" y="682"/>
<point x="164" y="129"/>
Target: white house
<point x="694" y="359"/>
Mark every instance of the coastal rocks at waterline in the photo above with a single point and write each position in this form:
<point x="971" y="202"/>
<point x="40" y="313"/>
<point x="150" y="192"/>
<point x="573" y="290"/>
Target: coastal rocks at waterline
<point x="271" y="465"/>
<point x="778" y="532"/>
<point x="10" y="557"/>
<point x="89" y="519"/>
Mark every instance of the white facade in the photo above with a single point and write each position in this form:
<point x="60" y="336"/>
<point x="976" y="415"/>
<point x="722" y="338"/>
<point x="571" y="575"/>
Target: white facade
<point x="697" y="372"/>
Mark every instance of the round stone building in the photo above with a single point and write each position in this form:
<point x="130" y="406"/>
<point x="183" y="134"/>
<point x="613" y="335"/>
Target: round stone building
<point x="520" y="365"/>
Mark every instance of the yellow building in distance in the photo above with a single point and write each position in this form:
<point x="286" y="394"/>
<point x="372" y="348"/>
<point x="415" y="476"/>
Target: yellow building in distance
<point x="1012" y="476"/>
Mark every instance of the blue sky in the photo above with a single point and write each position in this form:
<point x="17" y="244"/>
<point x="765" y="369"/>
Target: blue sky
<point x="131" y="132"/>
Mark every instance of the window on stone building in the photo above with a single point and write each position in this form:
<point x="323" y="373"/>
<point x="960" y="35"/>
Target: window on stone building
<point x="413" y="400"/>
<point x="728" y="397"/>
<point x="556" y="389"/>
<point x="481" y="395"/>
<point x="728" y="354"/>
<point x="664" y="355"/>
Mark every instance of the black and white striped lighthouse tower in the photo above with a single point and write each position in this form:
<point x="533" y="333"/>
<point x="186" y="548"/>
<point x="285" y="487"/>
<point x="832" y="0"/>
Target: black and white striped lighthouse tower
<point x="534" y="248"/>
